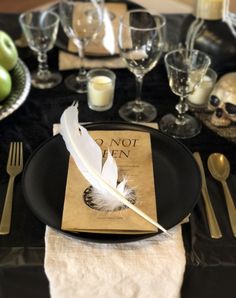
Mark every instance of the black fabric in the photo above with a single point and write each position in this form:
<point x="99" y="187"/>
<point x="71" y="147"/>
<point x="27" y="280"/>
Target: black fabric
<point x="211" y="264"/>
<point x="23" y="281"/>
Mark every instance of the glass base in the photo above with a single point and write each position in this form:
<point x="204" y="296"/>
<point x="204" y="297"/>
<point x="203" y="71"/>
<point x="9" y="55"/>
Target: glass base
<point x="131" y="113"/>
<point x="51" y="80"/>
<point x="197" y="108"/>
<point x="79" y="86"/>
<point x="99" y="108"/>
<point x="188" y="129"/>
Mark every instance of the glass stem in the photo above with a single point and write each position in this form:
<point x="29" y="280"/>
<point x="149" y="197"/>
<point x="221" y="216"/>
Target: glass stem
<point x="82" y="72"/>
<point x="43" y="72"/>
<point x="182" y="108"/>
<point x="138" y="107"/>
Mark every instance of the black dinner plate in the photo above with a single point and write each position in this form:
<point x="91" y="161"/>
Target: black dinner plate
<point x="62" y="39"/>
<point x="177" y="181"/>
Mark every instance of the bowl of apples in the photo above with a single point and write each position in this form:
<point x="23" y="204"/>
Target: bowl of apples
<point x="15" y="79"/>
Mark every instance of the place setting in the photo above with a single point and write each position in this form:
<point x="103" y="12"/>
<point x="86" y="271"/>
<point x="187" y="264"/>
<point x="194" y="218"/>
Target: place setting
<point x="99" y="85"/>
<point x="107" y="231"/>
<point x="121" y="177"/>
<point x="41" y="31"/>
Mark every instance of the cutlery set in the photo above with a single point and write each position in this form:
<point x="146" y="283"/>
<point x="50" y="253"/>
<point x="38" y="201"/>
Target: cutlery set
<point x="219" y="168"/>
<point x="211" y="217"/>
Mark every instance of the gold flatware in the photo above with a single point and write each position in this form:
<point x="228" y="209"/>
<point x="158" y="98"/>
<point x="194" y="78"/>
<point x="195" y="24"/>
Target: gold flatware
<point x="211" y="217"/>
<point x="219" y="167"/>
<point x="14" y="167"/>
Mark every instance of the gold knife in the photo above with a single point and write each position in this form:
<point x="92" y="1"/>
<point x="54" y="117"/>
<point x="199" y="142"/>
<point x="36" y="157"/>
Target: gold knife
<point x="212" y="221"/>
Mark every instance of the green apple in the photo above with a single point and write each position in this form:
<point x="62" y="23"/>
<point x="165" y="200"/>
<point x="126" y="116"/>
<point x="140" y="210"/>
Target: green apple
<point x="5" y="83"/>
<point x="8" y="51"/>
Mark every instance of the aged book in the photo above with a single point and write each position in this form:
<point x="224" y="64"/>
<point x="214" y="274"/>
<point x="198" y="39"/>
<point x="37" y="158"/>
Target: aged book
<point x="133" y="154"/>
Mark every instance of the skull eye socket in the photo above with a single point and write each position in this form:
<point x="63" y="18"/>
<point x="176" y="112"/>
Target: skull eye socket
<point x="214" y="101"/>
<point x="230" y="108"/>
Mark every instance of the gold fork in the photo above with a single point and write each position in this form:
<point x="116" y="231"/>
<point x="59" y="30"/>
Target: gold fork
<point x="14" y="167"/>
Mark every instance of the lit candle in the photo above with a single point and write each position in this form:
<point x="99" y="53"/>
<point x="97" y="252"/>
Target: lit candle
<point x="101" y="91"/>
<point x="202" y="92"/>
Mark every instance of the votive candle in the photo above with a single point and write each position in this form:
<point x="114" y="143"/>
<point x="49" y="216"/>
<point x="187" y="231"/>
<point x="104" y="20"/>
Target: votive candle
<point x="101" y="85"/>
<point x="202" y="92"/>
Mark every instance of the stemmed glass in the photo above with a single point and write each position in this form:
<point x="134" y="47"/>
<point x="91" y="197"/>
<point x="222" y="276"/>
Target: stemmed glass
<point x="141" y="41"/>
<point x="40" y="29"/>
<point x="81" y="21"/>
<point x="185" y="69"/>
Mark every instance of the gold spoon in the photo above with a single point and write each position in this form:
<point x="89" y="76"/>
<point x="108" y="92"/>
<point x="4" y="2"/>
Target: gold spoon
<point x="210" y="213"/>
<point x="219" y="168"/>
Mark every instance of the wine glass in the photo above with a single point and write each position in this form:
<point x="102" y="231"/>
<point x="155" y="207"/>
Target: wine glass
<point x="141" y="41"/>
<point x="81" y="21"/>
<point x="185" y="69"/>
<point x="40" y="29"/>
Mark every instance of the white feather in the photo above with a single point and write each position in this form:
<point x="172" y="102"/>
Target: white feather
<point x="110" y="171"/>
<point x="88" y="158"/>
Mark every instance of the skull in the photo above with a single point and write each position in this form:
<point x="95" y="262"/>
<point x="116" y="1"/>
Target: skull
<point x="223" y="101"/>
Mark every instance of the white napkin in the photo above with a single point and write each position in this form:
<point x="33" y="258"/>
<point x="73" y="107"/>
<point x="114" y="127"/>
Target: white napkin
<point x="151" y="268"/>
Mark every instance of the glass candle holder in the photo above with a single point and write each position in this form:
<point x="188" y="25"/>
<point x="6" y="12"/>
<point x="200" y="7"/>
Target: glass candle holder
<point x="199" y="98"/>
<point x="101" y="87"/>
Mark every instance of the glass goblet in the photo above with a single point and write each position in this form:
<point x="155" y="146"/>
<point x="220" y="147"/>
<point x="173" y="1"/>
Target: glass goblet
<point x="40" y="30"/>
<point x="185" y="69"/>
<point x="141" y="41"/>
<point x="81" y="21"/>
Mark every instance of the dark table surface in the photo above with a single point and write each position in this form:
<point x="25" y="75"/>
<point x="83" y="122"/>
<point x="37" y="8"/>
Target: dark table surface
<point x="211" y="264"/>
